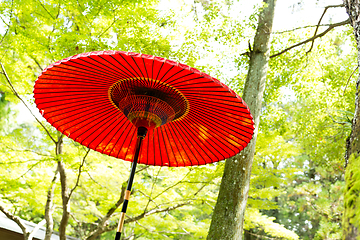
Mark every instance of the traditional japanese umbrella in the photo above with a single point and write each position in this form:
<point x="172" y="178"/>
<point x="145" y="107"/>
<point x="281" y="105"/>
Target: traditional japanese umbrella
<point x="110" y="100"/>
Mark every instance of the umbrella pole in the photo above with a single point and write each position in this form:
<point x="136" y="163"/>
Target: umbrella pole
<point x="141" y="133"/>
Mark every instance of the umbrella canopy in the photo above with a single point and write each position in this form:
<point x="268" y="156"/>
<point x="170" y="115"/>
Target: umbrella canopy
<point x="99" y="99"/>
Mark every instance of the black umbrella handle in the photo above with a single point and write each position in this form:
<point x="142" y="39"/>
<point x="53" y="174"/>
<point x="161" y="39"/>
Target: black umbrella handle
<point x="140" y="136"/>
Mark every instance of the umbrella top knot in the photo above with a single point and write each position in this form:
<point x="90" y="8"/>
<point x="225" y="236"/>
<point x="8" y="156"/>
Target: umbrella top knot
<point x="147" y="102"/>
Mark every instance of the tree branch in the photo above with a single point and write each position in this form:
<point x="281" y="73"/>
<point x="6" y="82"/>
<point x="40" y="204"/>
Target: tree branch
<point x="104" y="221"/>
<point x="18" y="96"/>
<point x="303" y="27"/>
<point x="79" y="173"/>
<point x="172" y="185"/>
<point x="156" y="210"/>
<point x="350" y="78"/>
<point x="331" y="26"/>
<point x="104" y="31"/>
<point x="8" y="25"/>
<point x="16" y="219"/>
<point x="317" y="27"/>
<point x="46" y="10"/>
<point x="27" y="150"/>
<point x="150" y="212"/>
<point x="96" y="181"/>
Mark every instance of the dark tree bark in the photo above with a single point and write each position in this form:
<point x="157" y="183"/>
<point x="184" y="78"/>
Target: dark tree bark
<point x="350" y="224"/>
<point x="228" y="218"/>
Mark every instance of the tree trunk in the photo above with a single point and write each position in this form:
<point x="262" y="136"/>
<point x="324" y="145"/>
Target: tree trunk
<point x="228" y="217"/>
<point x="351" y="224"/>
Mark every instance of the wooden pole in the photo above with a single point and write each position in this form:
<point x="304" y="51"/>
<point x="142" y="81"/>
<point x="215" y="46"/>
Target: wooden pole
<point x="140" y="136"/>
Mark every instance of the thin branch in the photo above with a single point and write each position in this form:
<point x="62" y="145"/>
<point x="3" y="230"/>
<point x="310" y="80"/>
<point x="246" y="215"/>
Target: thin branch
<point x="142" y="169"/>
<point x="341" y="123"/>
<point x="350" y="78"/>
<point x="317" y="27"/>
<point x="259" y="236"/>
<point x="175" y="184"/>
<point x="331" y="26"/>
<point x="18" y="96"/>
<point x="302" y="27"/>
<point x="148" y="213"/>
<point x="103" y="32"/>
<point x="32" y="166"/>
<point x="152" y="189"/>
<point x="37" y="63"/>
<point x="149" y="199"/>
<point x="16" y="219"/>
<point x="168" y="232"/>
<point x="156" y="210"/>
<point x="79" y="173"/>
<point x="27" y="150"/>
<point x="88" y="173"/>
<point x="46" y="10"/>
<point x="104" y="221"/>
<point x="7" y="30"/>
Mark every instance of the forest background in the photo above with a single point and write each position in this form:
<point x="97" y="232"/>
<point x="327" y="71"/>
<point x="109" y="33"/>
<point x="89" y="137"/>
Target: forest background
<point x="297" y="182"/>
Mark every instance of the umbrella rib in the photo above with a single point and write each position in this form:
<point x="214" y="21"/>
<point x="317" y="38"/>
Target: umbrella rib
<point x="84" y="122"/>
<point x="201" y="120"/>
<point x="167" y="72"/>
<point x="126" y="126"/>
<point x="214" y="131"/>
<point x="136" y="74"/>
<point x="211" y="100"/>
<point x="76" y="107"/>
<point x="168" y="79"/>
<point x="114" y="66"/>
<point x="160" y="70"/>
<point x="143" y="60"/>
<point x="182" y="146"/>
<point x="106" y="135"/>
<point x="221" y="120"/>
<point x="71" y="97"/>
<point x="113" y="138"/>
<point x="191" y="133"/>
<point x="166" y="149"/>
<point x="221" y="115"/>
<point x="180" y="77"/>
<point x="107" y="110"/>
<point x="163" y="130"/>
<point x="152" y="68"/>
<point x="70" y="83"/>
<point x="186" y="143"/>
<point x="137" y="66"/>
<point x="91" y="70"/>
<point x="158" y="136"/>
<point x="88" y="70"/>
<point x="171" y="147"/>
<point x="210" y="140"/>
<point x="111" y="70"/>
<point x="132" y="137"/>
<point x="184" y="79"/>
<point x="177" y="148"/>
<point x="84" y="77"/>
<point x="96" y="129"/>
<point x="129" y="74"/>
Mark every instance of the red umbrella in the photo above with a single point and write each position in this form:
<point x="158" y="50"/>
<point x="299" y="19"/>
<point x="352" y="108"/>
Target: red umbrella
<point x="110" y="100"/>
